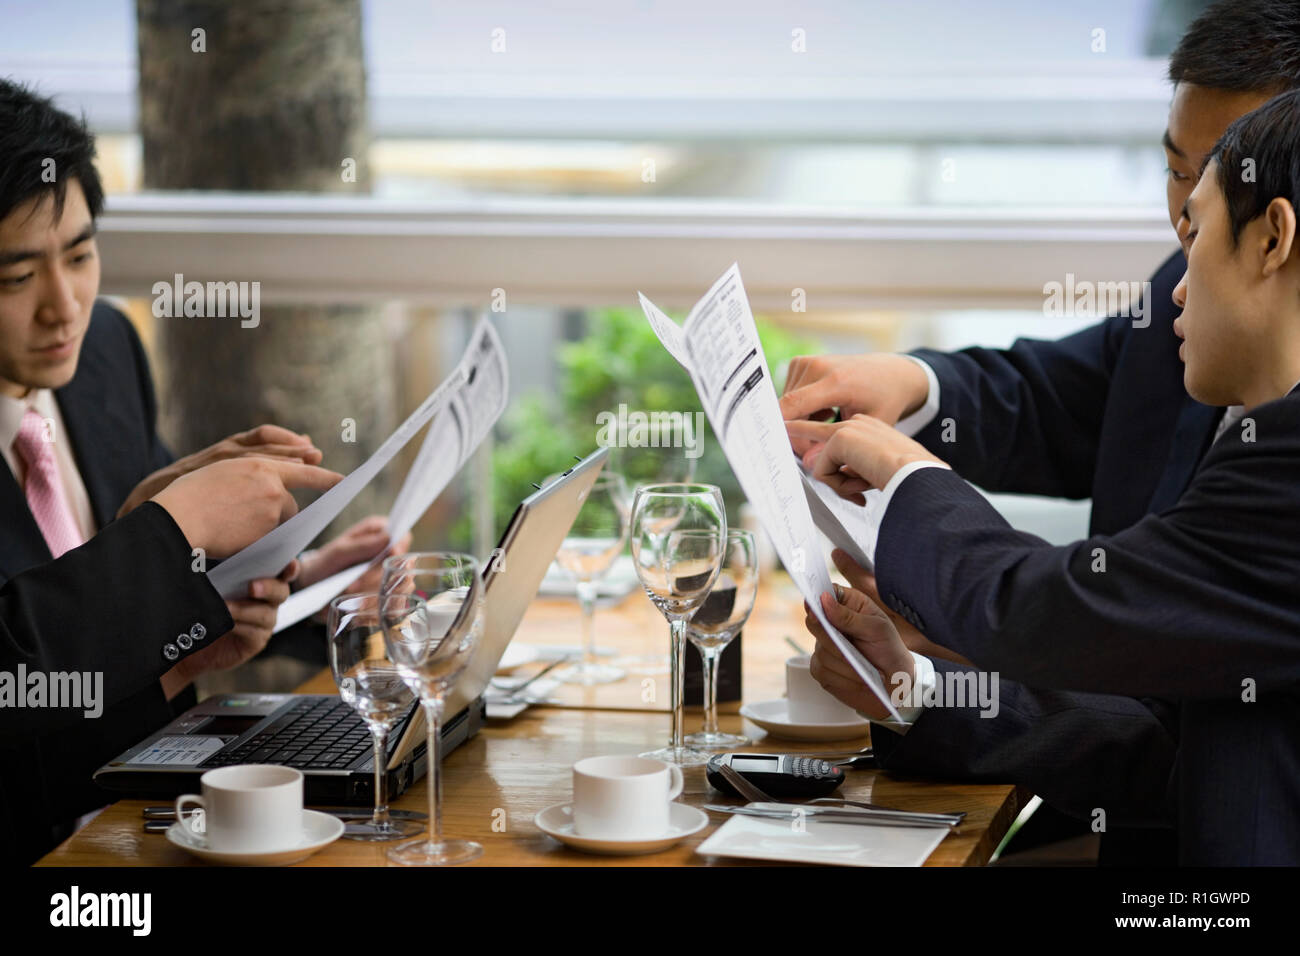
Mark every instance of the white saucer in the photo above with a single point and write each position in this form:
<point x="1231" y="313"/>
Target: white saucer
<point x="557" y="821"/>
<point x="517" y="655"/>
<point x="318" y="830"/>
<point x="773" y="716"/>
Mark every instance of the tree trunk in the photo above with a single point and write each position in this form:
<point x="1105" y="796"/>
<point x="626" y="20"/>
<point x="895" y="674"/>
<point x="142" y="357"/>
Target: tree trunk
<point x="271" y="96"/>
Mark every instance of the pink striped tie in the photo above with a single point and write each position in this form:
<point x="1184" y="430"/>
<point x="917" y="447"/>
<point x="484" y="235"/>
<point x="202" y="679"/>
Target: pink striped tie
<point x="44" y="488"/>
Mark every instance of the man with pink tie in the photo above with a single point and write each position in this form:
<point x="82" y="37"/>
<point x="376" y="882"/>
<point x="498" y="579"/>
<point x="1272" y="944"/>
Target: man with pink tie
<point x="85" y="471"/>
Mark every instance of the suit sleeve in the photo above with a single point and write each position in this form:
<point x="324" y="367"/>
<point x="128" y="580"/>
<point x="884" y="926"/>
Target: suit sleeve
<point x="108" y="607"/>
<point x="1077" y="751"/>
<point x="1199" y="602"/>
<point x="1025" y="419"/>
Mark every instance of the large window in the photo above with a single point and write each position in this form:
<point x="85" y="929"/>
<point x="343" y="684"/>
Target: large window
<point x="916" y="171"/>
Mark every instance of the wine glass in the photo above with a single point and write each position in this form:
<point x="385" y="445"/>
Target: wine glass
<point x="678" y="535"/>
<point x="370" y="684"/>
<point x="648" y="465"/>
<point x="715" y="624"/>
<point x="595" y="540"/>
<point x="432" y="622"/>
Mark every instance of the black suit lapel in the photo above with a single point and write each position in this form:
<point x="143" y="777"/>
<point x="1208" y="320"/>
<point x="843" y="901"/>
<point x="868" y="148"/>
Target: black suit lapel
<point x="96" y="430"/>
<point x="1192" y="436"/>
<point x="22" y="544"/>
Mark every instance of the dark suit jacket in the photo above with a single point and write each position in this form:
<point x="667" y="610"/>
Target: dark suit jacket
<point x="1197" y="601"/>
<point x="1101" y="413"/>
<point x="109" y="414"/>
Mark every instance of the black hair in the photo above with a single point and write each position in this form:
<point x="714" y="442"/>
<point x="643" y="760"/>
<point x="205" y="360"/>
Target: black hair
<point x="1265" y="143"/>
<point x="34" y="131"/>
<point x="1248" y="46"/>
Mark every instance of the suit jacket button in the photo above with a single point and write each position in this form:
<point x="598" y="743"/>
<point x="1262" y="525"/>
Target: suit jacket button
<point x="198" y="632"/>
<point x="171" y="652"/>
<point x="184" y="641"/>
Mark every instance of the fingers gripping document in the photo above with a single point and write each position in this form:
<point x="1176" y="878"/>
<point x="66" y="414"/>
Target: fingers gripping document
<point x="847" y="526"/>
<point x="459" y="412"/>
<point x="719" y="346"/>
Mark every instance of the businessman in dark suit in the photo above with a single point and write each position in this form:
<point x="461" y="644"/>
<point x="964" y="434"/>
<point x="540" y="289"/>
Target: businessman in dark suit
<point x="1100" y="414"/>
<point x="117" y="615"/>
<point x="79" y="446"/>
<point x="1196" y="604"/>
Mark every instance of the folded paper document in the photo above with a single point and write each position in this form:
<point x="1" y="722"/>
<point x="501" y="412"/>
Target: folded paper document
<point x="718" y="345"/>
<point x="459" y="412"/>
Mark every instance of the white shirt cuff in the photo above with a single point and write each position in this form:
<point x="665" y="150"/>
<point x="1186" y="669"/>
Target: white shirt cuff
<point x="922" y="687"/>
<point x="914" y="422"/>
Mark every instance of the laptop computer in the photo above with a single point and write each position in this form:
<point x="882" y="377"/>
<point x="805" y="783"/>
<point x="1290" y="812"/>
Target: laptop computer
<point x="325" y="738"/>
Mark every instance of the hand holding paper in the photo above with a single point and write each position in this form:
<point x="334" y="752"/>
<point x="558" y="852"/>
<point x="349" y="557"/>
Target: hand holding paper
<point x="460" y="412"/>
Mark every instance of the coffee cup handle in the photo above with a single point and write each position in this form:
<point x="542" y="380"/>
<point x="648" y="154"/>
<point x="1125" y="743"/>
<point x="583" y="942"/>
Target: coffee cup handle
<point x="181" y="801"/>
<point x="675" y="790"/>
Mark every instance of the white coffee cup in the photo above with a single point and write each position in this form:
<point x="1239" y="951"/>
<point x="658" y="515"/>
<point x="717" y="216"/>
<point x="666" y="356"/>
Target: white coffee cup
<point x="246" y="809"/>
<point x="807" y="702"/>
<point x="623" y="798"/>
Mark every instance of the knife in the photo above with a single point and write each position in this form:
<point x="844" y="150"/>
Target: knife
<point x="864" y="817"/>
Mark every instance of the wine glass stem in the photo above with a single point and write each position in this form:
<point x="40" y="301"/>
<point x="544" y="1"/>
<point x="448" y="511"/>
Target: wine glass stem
<point x="433" y="748"/>
<point x="709" y="664"/>
<point x="380" y="734"/>
<point x="677" y="632"/>
<point x="587" y="600"/>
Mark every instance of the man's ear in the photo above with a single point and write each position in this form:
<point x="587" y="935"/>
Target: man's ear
<point x="1278" y="234"/>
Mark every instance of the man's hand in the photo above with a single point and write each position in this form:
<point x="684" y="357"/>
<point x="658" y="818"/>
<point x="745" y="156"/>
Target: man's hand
<point x="266" y="441"/>
<point x="858" y="454"/>
<point x="871" y="632"/>
<point x="864" y="581"/>
<point x="362" y="542"/>
<point x="888" y="387"/>
<point x="224" y="507"/>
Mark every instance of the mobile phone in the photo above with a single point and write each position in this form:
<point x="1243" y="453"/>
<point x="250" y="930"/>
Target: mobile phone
<point x="779" y="775"/>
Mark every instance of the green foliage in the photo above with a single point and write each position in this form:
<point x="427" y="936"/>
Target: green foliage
<point x="619" y="361"/>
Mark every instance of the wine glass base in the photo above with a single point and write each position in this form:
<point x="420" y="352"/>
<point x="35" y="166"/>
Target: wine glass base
<point x="718" y="741"/>
<point x="368" y="832"/>
<point x="589" y="673"/>
<point x="681" y="756"/>
<point x="443" y="853"/>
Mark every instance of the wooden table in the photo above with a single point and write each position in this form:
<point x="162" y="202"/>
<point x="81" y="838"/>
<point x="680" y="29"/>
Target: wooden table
<point x="494" y="784"/>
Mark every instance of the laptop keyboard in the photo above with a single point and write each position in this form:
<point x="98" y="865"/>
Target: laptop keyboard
<point x="319" y="734"/>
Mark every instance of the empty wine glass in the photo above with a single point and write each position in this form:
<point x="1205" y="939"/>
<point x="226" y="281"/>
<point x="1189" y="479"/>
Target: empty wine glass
<point x="595" y="540"/>
<point x="369" y="682"/>
<point x="678" y="535"/>
<point x="642" y="464"/>
<point x="432" y="620"/>
<point x="715" y="624"/>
